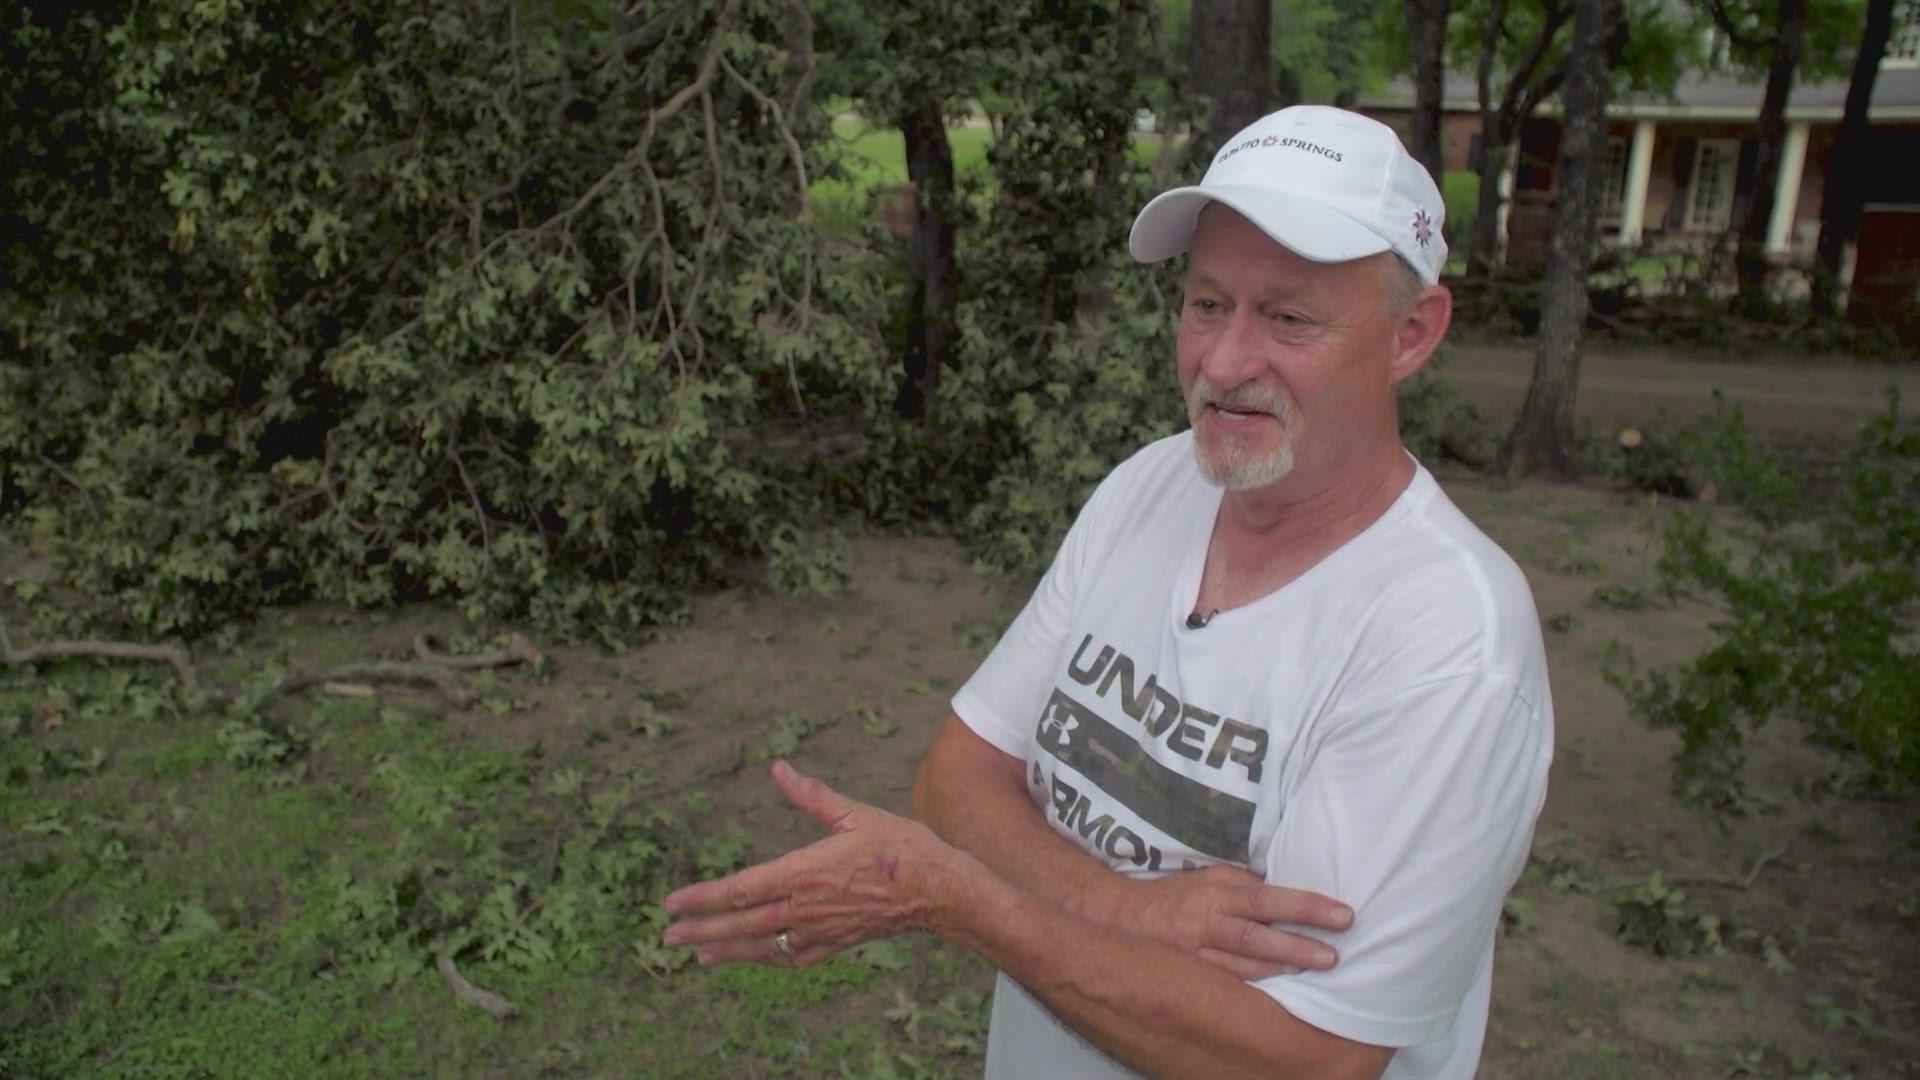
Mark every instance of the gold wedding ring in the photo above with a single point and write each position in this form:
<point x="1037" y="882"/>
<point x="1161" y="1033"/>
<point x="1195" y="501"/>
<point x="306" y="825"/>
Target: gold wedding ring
<point x="783" y="945"/>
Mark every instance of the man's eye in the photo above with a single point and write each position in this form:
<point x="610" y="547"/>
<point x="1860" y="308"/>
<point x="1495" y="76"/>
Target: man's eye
<point x="1289" y="318"/>
<point x="1206" y="307"/>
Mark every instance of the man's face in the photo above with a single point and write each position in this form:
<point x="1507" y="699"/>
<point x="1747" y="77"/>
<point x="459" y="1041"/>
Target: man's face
<point x="1287" y="364"/>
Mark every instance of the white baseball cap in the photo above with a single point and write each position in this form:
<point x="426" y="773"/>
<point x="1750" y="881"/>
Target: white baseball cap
<point x="1327" y="184"/>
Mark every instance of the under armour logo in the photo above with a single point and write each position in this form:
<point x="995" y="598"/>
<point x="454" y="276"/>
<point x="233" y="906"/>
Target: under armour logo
<point x="1060" y="727"/>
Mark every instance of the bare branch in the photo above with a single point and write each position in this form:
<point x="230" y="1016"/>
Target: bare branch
<point x="479" y="514"/>
<point x="177" y="658"/>
<point x="636" y="158"/>
<point x="434" y="669"/>
<point x="1524" y="87"/>
<point x="780" y="122"/>
<point x="55" y="468"/>
<point x="480" y="998"/>
<point x="1724" y="20"/>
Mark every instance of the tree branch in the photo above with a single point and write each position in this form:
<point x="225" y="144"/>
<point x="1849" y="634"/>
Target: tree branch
<point x="1724" y="20"/>
<point x="486" y="1000"/>
<point x="431" y="668"/>
<point x="1523" y="93"/>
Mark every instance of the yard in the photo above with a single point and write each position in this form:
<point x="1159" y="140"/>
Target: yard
<point x="253" y="893"/>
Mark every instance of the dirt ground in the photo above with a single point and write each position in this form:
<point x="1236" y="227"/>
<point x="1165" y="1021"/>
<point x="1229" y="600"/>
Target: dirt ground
<point x="1783" y="397"/>
<point x="1815" y="892"/>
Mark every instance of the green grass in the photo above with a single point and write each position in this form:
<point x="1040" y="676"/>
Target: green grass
<point x="1460" y="191"/>
<point x="192" y="892"/>
<point x="875" y="157"/>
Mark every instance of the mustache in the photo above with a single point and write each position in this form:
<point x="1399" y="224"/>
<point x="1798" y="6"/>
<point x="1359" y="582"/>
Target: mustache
<point x="1247" y="397"/>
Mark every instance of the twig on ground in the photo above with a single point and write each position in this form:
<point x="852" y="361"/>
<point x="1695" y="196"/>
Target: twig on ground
<point x="1728" y="881"/>
<point x="478" y="997"/>
<point x="264" y="997"/>
<point x="109" y="650"/>
<point x="431" y="668"/>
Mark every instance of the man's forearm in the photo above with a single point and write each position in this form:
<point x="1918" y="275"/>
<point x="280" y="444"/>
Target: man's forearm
<point x="1155" y="1008"/>
<point x="983" y="809"/>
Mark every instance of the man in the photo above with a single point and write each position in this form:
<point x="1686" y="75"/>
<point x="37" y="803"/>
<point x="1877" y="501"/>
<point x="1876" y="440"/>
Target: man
<point x="1270" y="649"/>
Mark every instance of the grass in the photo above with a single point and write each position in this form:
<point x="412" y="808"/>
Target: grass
<point x="875" y="157"/>
<point x="192" y="892"/>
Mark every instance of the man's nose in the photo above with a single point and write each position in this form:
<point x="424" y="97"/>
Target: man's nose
<point x="1238" y="353"/>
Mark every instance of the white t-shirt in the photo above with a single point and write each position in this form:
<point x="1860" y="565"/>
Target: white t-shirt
<point x="1378" y="730"/>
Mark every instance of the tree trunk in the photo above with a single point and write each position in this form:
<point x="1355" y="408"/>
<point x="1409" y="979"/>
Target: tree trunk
<point x="1232" y="64"/>
<point x="932" y="331"/>
<point x="1427" y="39"/>
<point x="1753" y="205"/>
<point x="1542" y="440"/>
<point x="1483" y="248"/>
<point x="1840" y="203"/>
<point x="1486" y="215"/>
<point x="797" y="84"/>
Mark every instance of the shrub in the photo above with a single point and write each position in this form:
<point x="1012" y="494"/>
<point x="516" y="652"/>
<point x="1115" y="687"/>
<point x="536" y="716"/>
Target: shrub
<point x="1817" y="600"/>
<point x="369" y="302"/>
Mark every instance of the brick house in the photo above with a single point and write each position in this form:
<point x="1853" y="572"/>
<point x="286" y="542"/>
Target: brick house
<point x="1671" y="159"/>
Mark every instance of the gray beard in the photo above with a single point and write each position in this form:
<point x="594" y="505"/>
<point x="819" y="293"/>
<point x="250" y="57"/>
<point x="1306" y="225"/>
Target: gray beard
<point x="1236" y="469"/>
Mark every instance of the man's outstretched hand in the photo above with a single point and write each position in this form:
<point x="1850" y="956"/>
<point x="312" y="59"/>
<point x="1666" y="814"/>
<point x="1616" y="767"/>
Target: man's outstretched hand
<point x="878" y="874"/>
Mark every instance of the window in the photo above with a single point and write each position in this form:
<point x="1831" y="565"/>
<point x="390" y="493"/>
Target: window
<point x="1903" y="48"/>
<point x="1710" y="196"/>
<point x="1615" y="164"/>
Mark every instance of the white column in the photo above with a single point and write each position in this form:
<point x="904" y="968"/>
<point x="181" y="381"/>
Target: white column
<point x="1786" y="193"/>
<point x="1506" y="199"/>
<point x="1633" y="212"/>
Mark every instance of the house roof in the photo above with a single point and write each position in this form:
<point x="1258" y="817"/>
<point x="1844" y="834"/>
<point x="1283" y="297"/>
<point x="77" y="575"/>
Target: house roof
<point x="1896" y="97"/>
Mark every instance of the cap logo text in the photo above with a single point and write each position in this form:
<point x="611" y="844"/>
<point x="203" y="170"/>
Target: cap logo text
<point x="1276" y="141"/>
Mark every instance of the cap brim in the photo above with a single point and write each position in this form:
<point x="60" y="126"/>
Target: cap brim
<point x="1308" y="227"/>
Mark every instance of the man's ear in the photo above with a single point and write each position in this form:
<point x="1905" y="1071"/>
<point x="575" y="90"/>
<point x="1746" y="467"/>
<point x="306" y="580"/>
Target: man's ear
<point x="1420" y="331"/>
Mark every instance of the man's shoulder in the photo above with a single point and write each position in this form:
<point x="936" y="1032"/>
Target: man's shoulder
<point x="1446" y="590"/>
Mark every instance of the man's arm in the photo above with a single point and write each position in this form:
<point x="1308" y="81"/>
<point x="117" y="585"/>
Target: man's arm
<point x="1160" y="1011"/>
<point x="1158" y="1008"/>
<point x="974" y="796"/>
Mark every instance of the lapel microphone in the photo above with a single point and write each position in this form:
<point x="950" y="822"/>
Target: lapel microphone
<point x="1196" y="621"/>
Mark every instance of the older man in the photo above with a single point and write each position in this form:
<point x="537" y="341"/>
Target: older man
<point x="1271" y="664"/>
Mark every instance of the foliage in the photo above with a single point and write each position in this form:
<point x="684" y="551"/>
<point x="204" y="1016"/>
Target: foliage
<point x="390" y="299"/>
<point x="1663" y="43"/>
<point x="1063" y="362"/>
<point x="1832" y="34"/>
<point x="1817" y="600"/>
<point x="1658" y="917"/>
<point x="526" y="310"/>
<point x="174" y="913"/>
<point x="1320" y="47"/>
<point x="1431" y="409"/>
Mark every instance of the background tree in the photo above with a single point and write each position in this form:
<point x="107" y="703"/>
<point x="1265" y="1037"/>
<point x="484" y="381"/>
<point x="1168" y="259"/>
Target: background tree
<point x="915" y="67"/>
<point x="1427" y="43"/>
<point x="1543" y="438"/>
<point x="1231" y="64"/>
<point x="1840" y="201"/>
<point x="1786" y="39"/>
<point x="1518" y="51"/>
<point x="1531" y="76"/>
<point x="1758" y="169"/>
